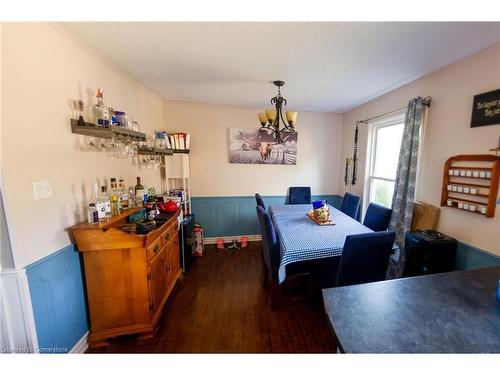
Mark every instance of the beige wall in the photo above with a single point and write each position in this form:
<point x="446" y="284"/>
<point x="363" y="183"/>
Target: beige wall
<point x="42" y="71"/>
<point x="448" y="133"/>
<point x="319" y="136"/>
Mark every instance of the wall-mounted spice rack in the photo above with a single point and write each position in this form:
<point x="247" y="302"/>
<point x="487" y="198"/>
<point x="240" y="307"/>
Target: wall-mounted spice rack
<point x="469" y="187"/>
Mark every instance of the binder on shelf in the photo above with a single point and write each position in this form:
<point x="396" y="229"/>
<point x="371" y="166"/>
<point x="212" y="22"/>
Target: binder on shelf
<point x="167" y="141"/>
<point x="177" y="142"/>
<point x="172" y="141"/>
<point x="188" y="140"/>
<point x="181" y="141"/>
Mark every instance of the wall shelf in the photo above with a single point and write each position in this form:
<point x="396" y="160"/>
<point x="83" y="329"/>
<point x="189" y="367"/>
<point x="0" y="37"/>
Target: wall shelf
<point x="111" y="131"/>
<point x="467" y="184"/>
<point x="454" y="163"/>
<point x="155" y="151"/>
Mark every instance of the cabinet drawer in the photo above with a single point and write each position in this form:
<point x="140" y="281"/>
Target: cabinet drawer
<point x="154" y="248"/>
<point x="169" y="233"/>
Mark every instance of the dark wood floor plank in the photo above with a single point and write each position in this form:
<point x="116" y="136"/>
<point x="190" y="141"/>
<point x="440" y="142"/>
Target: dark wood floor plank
<point x="221" y="306"/>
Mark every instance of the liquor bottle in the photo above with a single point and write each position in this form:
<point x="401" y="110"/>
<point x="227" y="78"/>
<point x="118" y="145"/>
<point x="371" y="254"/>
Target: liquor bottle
<point x="123" y="195"/>
<point x="139" y="193"/>
<point x="115" y="203"/>
<point x="100" y="204"/>
<point x="104" y="198"/>
<point x="101" y="111"/>
<point x="92" y="214"/>
<point x="131" y="197"/>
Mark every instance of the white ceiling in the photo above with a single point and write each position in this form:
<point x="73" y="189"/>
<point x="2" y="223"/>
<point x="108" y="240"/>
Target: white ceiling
<point x="327" y="67"/>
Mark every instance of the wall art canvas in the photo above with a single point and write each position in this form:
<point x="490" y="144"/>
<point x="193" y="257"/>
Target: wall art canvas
<point x="255" y="146"/>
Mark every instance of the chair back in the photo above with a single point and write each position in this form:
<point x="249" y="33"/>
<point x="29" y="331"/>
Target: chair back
<point x="350" y="205"/>
<point x="377" y="217"/>
<point x="365" y="258"/>
<point x="270" y="242"/>
<point x="299" y="195"/>
<point x="259" y="200"/>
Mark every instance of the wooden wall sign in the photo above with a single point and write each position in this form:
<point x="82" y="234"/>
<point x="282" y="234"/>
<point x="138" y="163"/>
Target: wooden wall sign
<point x="486" y="109"/>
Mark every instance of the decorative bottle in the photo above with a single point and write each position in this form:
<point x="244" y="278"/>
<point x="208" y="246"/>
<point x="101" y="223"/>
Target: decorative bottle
<point x="101" y="111"/>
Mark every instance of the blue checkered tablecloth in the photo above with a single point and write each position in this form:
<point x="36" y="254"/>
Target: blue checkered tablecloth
<point x="301" y="239"/>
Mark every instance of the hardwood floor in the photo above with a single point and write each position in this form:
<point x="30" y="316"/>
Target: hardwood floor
<point x="222" y="307"/>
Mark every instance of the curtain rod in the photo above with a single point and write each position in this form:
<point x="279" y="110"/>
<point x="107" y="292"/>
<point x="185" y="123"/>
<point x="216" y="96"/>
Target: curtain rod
<point x="425" y="101"/>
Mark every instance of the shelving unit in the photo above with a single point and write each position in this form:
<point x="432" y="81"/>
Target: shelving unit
<point x="155" y="151"/>
<point x="175" y="170"/>
<point x="176" y="175"/>
<point x="485" y="195"/>
<point x="111" y="131"/>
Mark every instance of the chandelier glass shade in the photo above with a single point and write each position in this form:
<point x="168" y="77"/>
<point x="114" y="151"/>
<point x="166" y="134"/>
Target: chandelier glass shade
<point x="272" y="118"/>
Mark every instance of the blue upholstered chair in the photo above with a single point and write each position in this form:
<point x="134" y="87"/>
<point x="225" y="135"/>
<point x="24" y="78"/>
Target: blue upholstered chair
<point x="260" y="201"/>
<point x="350" y="205"/>
<point x="270" y="243"/>
<point x="365" y="258"/>
<point x="299" y="195"/>
<point x="377" y="217"/>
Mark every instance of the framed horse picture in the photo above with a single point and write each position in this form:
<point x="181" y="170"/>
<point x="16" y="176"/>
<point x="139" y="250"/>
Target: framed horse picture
<point x="254" y="146"/>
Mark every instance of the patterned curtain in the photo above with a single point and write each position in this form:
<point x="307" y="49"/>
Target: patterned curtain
<point x="404" y="190"/>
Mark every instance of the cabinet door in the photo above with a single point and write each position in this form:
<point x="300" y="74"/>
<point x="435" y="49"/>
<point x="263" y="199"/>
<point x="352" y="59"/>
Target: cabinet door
<point x="158" y="278"/>
<point x="175" y="256"/>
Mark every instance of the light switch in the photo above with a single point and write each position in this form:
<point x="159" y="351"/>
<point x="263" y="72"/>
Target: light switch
<point x="41" y="190"/>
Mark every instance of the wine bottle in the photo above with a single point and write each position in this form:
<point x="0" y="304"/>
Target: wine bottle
<point x="139" y="193"/>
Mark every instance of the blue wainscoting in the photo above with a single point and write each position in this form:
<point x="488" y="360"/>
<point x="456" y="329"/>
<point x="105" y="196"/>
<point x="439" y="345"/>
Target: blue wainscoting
<point x="471" y="257"/>
<point x="58" y="299"/>
<point x="236" y="216"/>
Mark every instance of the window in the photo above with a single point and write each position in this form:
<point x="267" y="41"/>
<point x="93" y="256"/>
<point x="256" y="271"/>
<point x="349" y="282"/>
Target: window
<point x="384" y="145"/>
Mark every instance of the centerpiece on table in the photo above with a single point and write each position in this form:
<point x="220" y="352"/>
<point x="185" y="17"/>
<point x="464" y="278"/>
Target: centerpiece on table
<point x="320" y="213"/>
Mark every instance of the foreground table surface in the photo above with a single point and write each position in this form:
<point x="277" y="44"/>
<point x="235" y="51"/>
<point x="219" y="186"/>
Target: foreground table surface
<point x="301" y="239"/>
<point x="454" y="312"/>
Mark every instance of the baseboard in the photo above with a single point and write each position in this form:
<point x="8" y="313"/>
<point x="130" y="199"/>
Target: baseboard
<point x="81" y="346"/>
<point x="213" y="240"/>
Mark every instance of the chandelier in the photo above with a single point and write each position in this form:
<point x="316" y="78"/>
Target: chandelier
<point x="270" y="118"/>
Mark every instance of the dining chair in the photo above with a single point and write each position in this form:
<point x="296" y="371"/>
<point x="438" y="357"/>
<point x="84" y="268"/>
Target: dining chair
<point x="299" y="195"/>
<point x="365" y="258"/>
<point x="270" y="244"/>
<point x="350" y="205"/>
<point x="377" y="217"/>
<point x="271" y="255"/>
<point x="260" y="201"/>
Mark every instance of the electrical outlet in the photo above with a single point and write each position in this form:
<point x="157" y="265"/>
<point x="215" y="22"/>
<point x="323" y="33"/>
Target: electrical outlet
<point x="42" y="190"/>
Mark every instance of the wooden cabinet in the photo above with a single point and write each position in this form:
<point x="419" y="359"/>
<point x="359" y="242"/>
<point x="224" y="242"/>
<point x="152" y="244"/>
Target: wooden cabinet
<point x="128" y="277"/>
<point x="158" y="278"/>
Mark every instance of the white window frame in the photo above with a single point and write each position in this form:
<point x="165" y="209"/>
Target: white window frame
<point x="394" y="118"/>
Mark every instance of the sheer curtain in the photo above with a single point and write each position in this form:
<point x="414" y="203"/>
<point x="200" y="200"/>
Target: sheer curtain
<point x="406" y="176"/>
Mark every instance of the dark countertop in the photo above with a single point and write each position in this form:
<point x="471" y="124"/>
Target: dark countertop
<point x="454" y="312"/>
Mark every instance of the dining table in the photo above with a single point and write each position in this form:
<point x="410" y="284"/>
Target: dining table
<point x="301" y="239"/>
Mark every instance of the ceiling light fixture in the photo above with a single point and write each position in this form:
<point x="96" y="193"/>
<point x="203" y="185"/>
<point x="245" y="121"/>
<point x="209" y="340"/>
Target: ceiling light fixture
<point x="270" y="118"/>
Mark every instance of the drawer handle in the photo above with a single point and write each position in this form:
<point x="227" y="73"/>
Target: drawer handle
<point x="156" y="248"/>
<point x="167" y="237"/>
